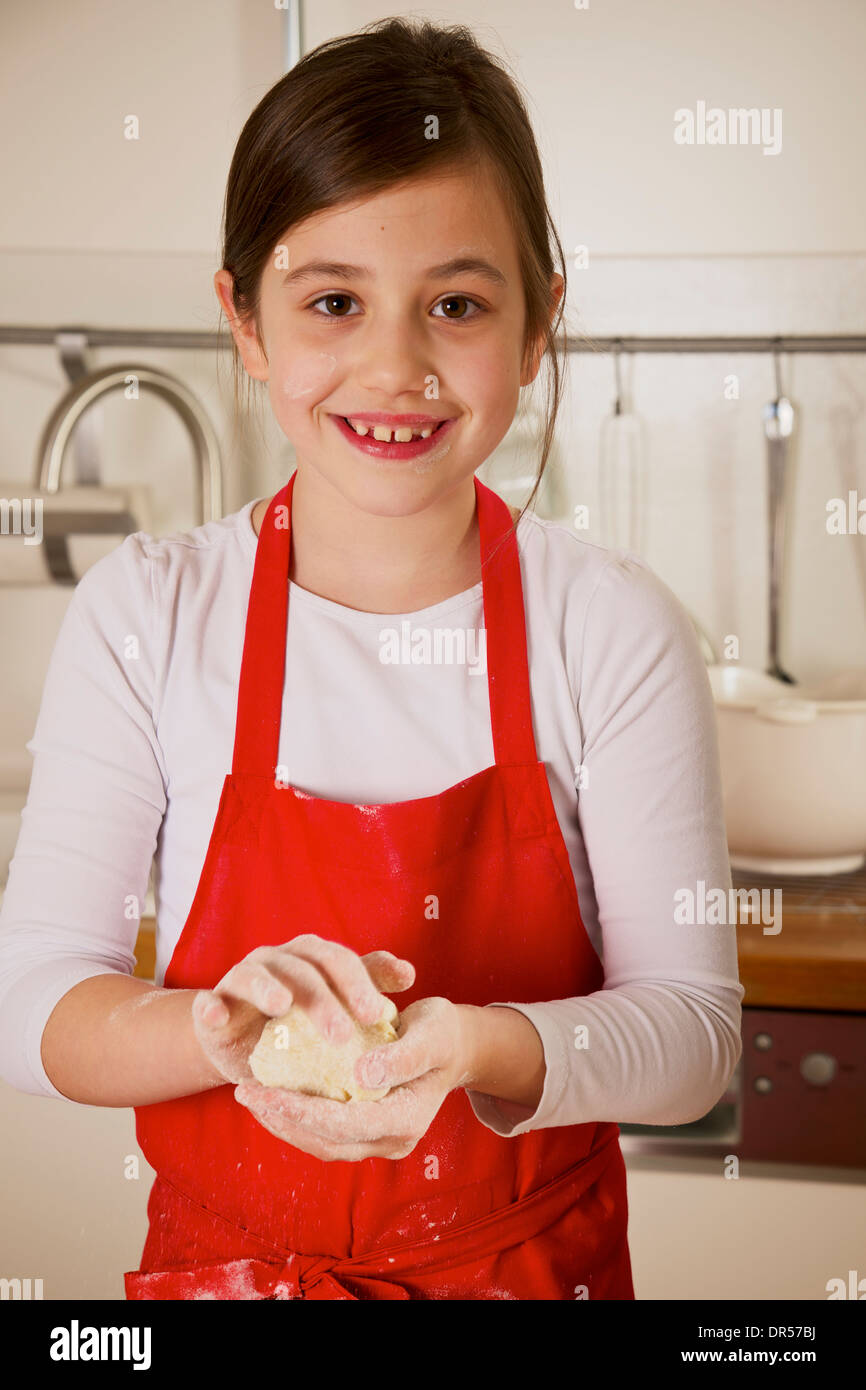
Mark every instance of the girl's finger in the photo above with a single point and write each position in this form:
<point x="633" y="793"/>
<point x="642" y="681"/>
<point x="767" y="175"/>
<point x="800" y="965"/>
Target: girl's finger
<point x="273" y="980"/>
<point x="328" y="1153"/>
<point x="210" y="1010"/>
<point x="340" y="1122"/>
<point x="249" y="985"/>
<point x="221" y="1013"/>
<point x="421" y="1048"/>
<point x="345" y="972"/>
<point x="389" y="973"/>
<point x="284" y="1124"/>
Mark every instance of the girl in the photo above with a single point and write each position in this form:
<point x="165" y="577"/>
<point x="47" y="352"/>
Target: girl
<point x="476" y="847"/>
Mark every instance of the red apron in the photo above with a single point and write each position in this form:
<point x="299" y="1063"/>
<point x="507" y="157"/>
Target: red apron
<point x="236" y="1213"/>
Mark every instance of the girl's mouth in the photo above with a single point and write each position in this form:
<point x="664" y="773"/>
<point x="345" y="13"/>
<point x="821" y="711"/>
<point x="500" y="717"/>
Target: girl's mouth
<point x="391" y="449"/>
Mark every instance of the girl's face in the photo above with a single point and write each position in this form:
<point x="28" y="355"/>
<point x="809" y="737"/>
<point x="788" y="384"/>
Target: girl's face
<point x="409" y="302"/>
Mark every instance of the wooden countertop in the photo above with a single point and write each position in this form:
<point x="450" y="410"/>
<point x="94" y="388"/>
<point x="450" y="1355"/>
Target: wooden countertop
<point x="145" y="949"/>
<point x="816" y="961"/>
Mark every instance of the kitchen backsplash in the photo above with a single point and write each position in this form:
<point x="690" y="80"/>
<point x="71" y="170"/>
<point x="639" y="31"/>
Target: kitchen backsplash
<point x="706" y="515"/>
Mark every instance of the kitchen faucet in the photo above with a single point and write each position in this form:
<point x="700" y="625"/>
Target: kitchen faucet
<point x="55" y="437"/>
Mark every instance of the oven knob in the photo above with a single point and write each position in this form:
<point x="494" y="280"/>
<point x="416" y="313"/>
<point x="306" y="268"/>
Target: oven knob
<point x="818" y="1067"/>
<point x="763" y="1041"/>
<point x="763" y="1084"/>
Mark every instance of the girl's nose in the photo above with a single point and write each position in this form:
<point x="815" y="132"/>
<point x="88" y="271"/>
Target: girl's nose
<point x="395" y="356"/>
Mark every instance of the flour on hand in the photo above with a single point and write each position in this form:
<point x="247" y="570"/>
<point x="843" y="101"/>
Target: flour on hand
<point x="291" y="1053"/>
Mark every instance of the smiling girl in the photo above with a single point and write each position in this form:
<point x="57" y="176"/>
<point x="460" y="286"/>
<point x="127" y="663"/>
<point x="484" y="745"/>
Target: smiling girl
<point x="500" y="854"/>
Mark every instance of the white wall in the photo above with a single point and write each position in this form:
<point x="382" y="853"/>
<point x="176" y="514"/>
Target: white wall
<point x="603" y="85"/>
<point x="701" y="239"/>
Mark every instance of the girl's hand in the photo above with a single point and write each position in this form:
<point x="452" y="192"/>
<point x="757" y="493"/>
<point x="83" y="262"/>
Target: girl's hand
<point x="329" y="981"/>
<point x="432" y="1056"/>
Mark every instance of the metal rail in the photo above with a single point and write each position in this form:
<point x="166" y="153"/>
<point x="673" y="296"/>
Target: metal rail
<point x="26" y="336"/>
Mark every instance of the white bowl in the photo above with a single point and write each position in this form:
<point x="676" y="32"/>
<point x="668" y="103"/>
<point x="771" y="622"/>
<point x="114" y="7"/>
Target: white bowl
<point x="793" y="771"/>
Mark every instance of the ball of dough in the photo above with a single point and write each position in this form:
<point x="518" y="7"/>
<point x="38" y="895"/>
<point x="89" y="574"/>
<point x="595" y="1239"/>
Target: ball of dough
<point x="292" y="1053"/>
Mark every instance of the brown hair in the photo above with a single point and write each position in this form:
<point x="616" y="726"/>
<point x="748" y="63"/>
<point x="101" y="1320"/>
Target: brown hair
<point x="349" y="120"/>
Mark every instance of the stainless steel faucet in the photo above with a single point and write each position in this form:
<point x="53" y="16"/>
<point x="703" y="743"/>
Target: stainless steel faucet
<point x="55" y="437"/>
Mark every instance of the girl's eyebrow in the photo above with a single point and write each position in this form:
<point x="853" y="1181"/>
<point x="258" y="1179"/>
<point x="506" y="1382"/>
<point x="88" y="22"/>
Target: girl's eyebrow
<point x="339" y="270"/>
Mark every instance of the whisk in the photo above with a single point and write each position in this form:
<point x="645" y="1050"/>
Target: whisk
<point x="622" y="472"/>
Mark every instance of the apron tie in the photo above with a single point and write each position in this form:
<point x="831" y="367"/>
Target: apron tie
<point x="290" y="1274"/>
<point x="302" y="1276"/>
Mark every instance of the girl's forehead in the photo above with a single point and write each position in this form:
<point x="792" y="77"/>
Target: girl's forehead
<point x="462" y="196"/>
<point x="426" y="233"/>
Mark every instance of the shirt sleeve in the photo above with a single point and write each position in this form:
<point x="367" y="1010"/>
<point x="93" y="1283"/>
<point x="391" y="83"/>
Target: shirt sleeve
<point x="659" y="1042"/>
<point x="95" y="802"/>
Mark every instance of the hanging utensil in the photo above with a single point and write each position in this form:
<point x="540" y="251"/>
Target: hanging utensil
<point x="778" y="416"/>
<point x="622" y="472"/>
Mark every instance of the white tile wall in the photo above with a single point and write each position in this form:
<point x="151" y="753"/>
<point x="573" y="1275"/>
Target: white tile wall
<point x="705" y="457"/>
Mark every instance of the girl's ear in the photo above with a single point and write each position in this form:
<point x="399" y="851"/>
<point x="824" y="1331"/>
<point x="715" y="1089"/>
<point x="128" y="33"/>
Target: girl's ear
<point x="243" y="330"/>
<point x="557" y="284"/>
<point x="533" y="362"/>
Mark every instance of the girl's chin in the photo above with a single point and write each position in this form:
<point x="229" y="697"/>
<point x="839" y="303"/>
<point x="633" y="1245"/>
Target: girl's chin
<point x="387" y="490"/>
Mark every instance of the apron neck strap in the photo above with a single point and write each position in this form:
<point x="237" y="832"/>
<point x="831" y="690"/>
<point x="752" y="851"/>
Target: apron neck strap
<point x="260" y="691"/>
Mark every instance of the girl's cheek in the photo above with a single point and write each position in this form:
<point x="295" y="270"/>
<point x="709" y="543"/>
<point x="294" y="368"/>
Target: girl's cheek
<point x="305" y="377"/>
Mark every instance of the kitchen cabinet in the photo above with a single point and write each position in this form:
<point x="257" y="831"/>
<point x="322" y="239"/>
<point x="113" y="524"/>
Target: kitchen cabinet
<point x="701" y="1226"/>
<point x="696" y="1234"/>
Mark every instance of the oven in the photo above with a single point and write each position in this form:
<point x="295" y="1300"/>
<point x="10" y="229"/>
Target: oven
<point x="797" y="1097"/>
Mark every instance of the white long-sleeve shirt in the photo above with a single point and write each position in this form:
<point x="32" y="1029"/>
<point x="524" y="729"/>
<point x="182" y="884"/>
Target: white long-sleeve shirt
<point x="135" y="736"/>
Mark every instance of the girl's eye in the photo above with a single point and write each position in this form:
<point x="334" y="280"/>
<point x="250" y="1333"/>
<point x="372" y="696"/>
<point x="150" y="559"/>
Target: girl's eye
<point x="460" y="299"/>
<point x="452" y="299"/>
<point x="329" y="299"/>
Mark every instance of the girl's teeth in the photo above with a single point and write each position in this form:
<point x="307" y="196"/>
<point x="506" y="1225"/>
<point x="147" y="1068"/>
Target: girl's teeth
<point x="383" y="433"/>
